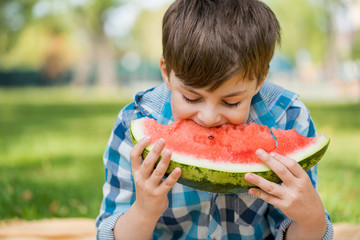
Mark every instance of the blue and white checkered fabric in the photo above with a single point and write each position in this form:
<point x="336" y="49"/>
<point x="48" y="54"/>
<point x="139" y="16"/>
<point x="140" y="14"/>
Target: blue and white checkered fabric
<point x="194" y="214"/>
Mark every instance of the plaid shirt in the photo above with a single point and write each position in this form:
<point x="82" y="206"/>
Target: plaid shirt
<point x="194" y="214"/>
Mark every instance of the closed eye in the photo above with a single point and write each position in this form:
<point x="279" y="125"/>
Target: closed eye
<point x="231" y="105"/>
<point x="191" y="100"/>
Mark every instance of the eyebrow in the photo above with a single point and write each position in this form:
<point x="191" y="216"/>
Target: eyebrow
<point x="237" y="93"/>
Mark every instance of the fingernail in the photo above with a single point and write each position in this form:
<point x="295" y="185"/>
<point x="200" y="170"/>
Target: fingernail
<point x="273" y="154"/>
<point x="249" y="176"/>
<point x="260" y="152"/>
<point x="161" y="141"/>
<point x="167" y="151"/>
<point x="178" y="170"/>
<point x="147" y="138"/>
<point x="254" y="192"/>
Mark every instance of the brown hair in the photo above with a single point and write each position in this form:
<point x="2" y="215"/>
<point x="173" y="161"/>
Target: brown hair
<point x="206" y="42"/>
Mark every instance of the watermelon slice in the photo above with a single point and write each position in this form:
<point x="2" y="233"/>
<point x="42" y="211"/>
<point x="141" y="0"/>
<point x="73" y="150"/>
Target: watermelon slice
<point x="216" y="159"/>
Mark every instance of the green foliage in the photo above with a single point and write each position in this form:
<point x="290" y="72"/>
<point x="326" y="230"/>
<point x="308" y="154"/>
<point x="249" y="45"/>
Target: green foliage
<point x="148" y="26"/>
<point x="92" y="15"/>
<point x="303" y="26"/>
<point x="21" y="27"/>
<point x="356" y="46"/>
<point x="14" y="17"/>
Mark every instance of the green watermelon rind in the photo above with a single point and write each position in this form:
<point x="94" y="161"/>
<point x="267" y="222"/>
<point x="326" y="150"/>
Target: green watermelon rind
<point x="218" y="181"/>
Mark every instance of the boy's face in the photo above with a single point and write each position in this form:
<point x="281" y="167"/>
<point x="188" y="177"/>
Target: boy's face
<point x="230" y="103"/>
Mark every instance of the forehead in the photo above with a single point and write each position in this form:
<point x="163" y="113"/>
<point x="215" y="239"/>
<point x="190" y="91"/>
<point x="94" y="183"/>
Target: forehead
<point x="235" y="84"/>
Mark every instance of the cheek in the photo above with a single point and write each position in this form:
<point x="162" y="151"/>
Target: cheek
<point x="240" y="115"/>
<point x="181" y="110"/>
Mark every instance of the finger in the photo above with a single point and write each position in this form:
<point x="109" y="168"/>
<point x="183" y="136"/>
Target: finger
<point x="170" y="181"/>
<point x="161" y="168"/>
<point x="278" y="167"/>
<point x="264" y="196"/>
<point x="293" y="166"/>
<point x="271" y="188"/>
<point x="148" y="164"/>
<point x="136" y="152"/>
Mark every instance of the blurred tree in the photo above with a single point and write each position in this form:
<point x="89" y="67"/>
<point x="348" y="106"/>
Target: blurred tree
<point x="58" y="21"/>
<point x="320" y="27"/>
<point x="91" y="18"/>
<point x="148" y="26"/>
<point x="303" y="26"/>
<point x="37" y="38"/>
<point x="340" y="35"/>
<point x="309" y="24"/>
<point x="15" y="16"/>
<point x="356" y="46"/>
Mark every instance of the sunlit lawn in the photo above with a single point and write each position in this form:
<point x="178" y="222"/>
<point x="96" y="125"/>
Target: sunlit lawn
<point x="52" y="141"/>
<point x="51" y="146"/>
<point x="339" y="170"/>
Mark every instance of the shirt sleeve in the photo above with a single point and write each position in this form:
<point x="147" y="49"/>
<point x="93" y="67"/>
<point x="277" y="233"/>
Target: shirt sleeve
<point x="119" y="188"/>
<point x="297" y="116"/>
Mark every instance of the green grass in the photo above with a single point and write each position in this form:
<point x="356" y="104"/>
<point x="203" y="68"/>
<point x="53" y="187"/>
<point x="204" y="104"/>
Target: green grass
<point x="52" y="141"/>
<point x="339" y="170"/>
<point x="51" y="152"/>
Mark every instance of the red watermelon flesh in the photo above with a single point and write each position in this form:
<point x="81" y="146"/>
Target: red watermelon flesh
<point x="226" y="143"/>
<point x="290" y="140"/>
<point x="217" y="159"/>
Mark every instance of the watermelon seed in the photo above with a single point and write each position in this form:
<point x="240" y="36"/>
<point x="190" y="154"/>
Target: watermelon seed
<point x="211" y="137"/>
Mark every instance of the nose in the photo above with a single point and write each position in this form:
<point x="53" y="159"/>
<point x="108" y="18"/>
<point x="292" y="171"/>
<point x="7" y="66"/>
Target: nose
<point x="208" y="117"/>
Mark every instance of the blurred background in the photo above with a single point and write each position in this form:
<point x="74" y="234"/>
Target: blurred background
<point x="118" y="43"/>
<point x="67" y="67"/>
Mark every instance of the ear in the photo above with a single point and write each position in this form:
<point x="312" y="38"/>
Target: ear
<point x="261" y="81"/>
<point x="164" y="73"/>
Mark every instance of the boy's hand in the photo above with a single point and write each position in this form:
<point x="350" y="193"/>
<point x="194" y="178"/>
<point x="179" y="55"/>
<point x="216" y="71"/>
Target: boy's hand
<point x="295" y="197"/>
<point x="151" y="191"/>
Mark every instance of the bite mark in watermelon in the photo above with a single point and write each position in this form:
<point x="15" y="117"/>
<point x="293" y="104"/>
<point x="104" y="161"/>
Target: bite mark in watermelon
<point x="217" y="159"/>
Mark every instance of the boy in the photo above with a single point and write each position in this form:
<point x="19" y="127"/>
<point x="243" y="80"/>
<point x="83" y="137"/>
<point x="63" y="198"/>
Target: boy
<point x="216" y="57"/>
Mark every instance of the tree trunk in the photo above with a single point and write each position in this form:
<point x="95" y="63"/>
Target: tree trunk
<point x="98" y="56"/>
<point x="106" y="63"/>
